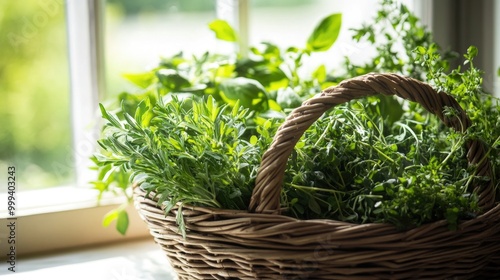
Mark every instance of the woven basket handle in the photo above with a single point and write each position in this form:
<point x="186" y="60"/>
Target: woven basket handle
<point x="266" y="193"/>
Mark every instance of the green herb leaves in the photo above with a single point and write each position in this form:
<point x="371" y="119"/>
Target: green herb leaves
<point x="264" y="85"/>
<point x="355" y="165"/>
<point x="190" y="152"/>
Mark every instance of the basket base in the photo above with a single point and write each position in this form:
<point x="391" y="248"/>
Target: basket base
<point x="224" y="244"/>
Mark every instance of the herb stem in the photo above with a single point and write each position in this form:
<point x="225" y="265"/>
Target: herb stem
<point x="456" y="146"/>
<point x="303" y="188"/>
<point x="323" y="135"/>
<point x="379" y="152"/>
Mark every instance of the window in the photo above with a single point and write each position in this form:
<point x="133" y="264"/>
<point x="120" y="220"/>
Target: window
<point x="458" y="24"/>
<point x="44" y="37"/>
<point x="289" y="24"/>
<point x="137" y="35"/>
<point x="33" y="72"/>
<point x="49" y="125"/>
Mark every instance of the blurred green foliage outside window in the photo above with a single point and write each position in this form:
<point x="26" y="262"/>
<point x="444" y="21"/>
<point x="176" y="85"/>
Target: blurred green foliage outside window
<point x="35" y="132"/>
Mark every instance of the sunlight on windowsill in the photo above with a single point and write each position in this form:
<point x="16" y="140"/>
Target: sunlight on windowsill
<point x="64" y="218"/>
<point x="139" y="259"/>
<point x="64" y="198"/>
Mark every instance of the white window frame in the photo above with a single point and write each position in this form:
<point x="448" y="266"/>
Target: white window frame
<point x="84" y="21"/>
<point x="65" y="217"/>
<point x="68" y="224"/>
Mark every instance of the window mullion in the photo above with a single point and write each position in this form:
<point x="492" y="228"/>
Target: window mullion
<point x="496" y="48"/>
<point x="84" y="24"/>
<point x="243" y="26"/>
<point x="236" y="12"/>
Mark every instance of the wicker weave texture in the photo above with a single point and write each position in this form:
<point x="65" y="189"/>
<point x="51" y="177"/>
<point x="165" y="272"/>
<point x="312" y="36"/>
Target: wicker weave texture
<point x="262" y="244"/>
<point x="224" y="244"/>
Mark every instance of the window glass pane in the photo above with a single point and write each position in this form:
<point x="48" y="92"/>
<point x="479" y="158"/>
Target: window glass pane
<point x="290" y="22"/>
<point x="35" y="134"/>
<point x="138" y="33"/>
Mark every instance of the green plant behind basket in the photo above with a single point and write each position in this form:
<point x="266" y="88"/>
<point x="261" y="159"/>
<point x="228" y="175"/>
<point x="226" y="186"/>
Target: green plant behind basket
<point x="266" y="82"/>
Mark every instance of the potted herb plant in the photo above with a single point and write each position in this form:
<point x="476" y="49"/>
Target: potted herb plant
<point x="242" y="170"/>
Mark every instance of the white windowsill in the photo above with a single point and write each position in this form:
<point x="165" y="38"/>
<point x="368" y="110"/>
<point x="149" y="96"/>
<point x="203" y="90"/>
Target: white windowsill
<point x="62" y="218"/>
<point x="55" y="199"/>
<point x="138" y="259"/>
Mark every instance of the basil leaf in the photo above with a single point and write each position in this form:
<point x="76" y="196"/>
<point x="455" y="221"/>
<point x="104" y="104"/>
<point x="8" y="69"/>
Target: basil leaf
<point x="142" y="80"/>
<point x="223" y="30"/>
<point x="109" y="217"/>
<point x="172" y="80"/>
<point x="122" y="222"/>
<point x="325" y="34"/>
<point x="249" y="92"/>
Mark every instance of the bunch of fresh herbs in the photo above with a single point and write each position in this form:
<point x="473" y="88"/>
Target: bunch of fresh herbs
<point x="196" y="130"/>
<point x="265" y="82"/>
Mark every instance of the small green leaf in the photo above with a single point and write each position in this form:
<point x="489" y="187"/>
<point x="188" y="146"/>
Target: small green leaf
<point x="299" y="208"/>
<point x="314" y="206"/>
<point x="471" y="52"/>
<point x="131" y="121"/>
<point x="122" y="222"/>
<point x="114" y="121"/>
<point x="253" y="140"/>
<point x="273" y="105"/>
<point x="168" y="206"/>
<point x="421" y="50"/>
<point x="236" y="109"/>
<point x="249" y="92"/>
<point x="143" y="80"/>
<point x="176" y="144"/>
<point x="300" y="145"/>
<point x="119" y="215"/>
<point x="139" y="111"/>
<point x="110" y="217"/>
<point x="352" y="146"/>
<point x="378" y="188"/>
<point x="223" y="30"/>
<point x="320" y="73"/>
<point x="180" y="221"/>
<point x="325" y="34"/>
<point x="172" y="80"/>
<point x="143" y="113"/>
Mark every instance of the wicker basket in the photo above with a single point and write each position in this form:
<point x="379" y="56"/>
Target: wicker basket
<point x="262" y="244"/>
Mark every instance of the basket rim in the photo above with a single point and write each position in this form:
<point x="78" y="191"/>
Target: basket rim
<point x="225" y="214"/>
